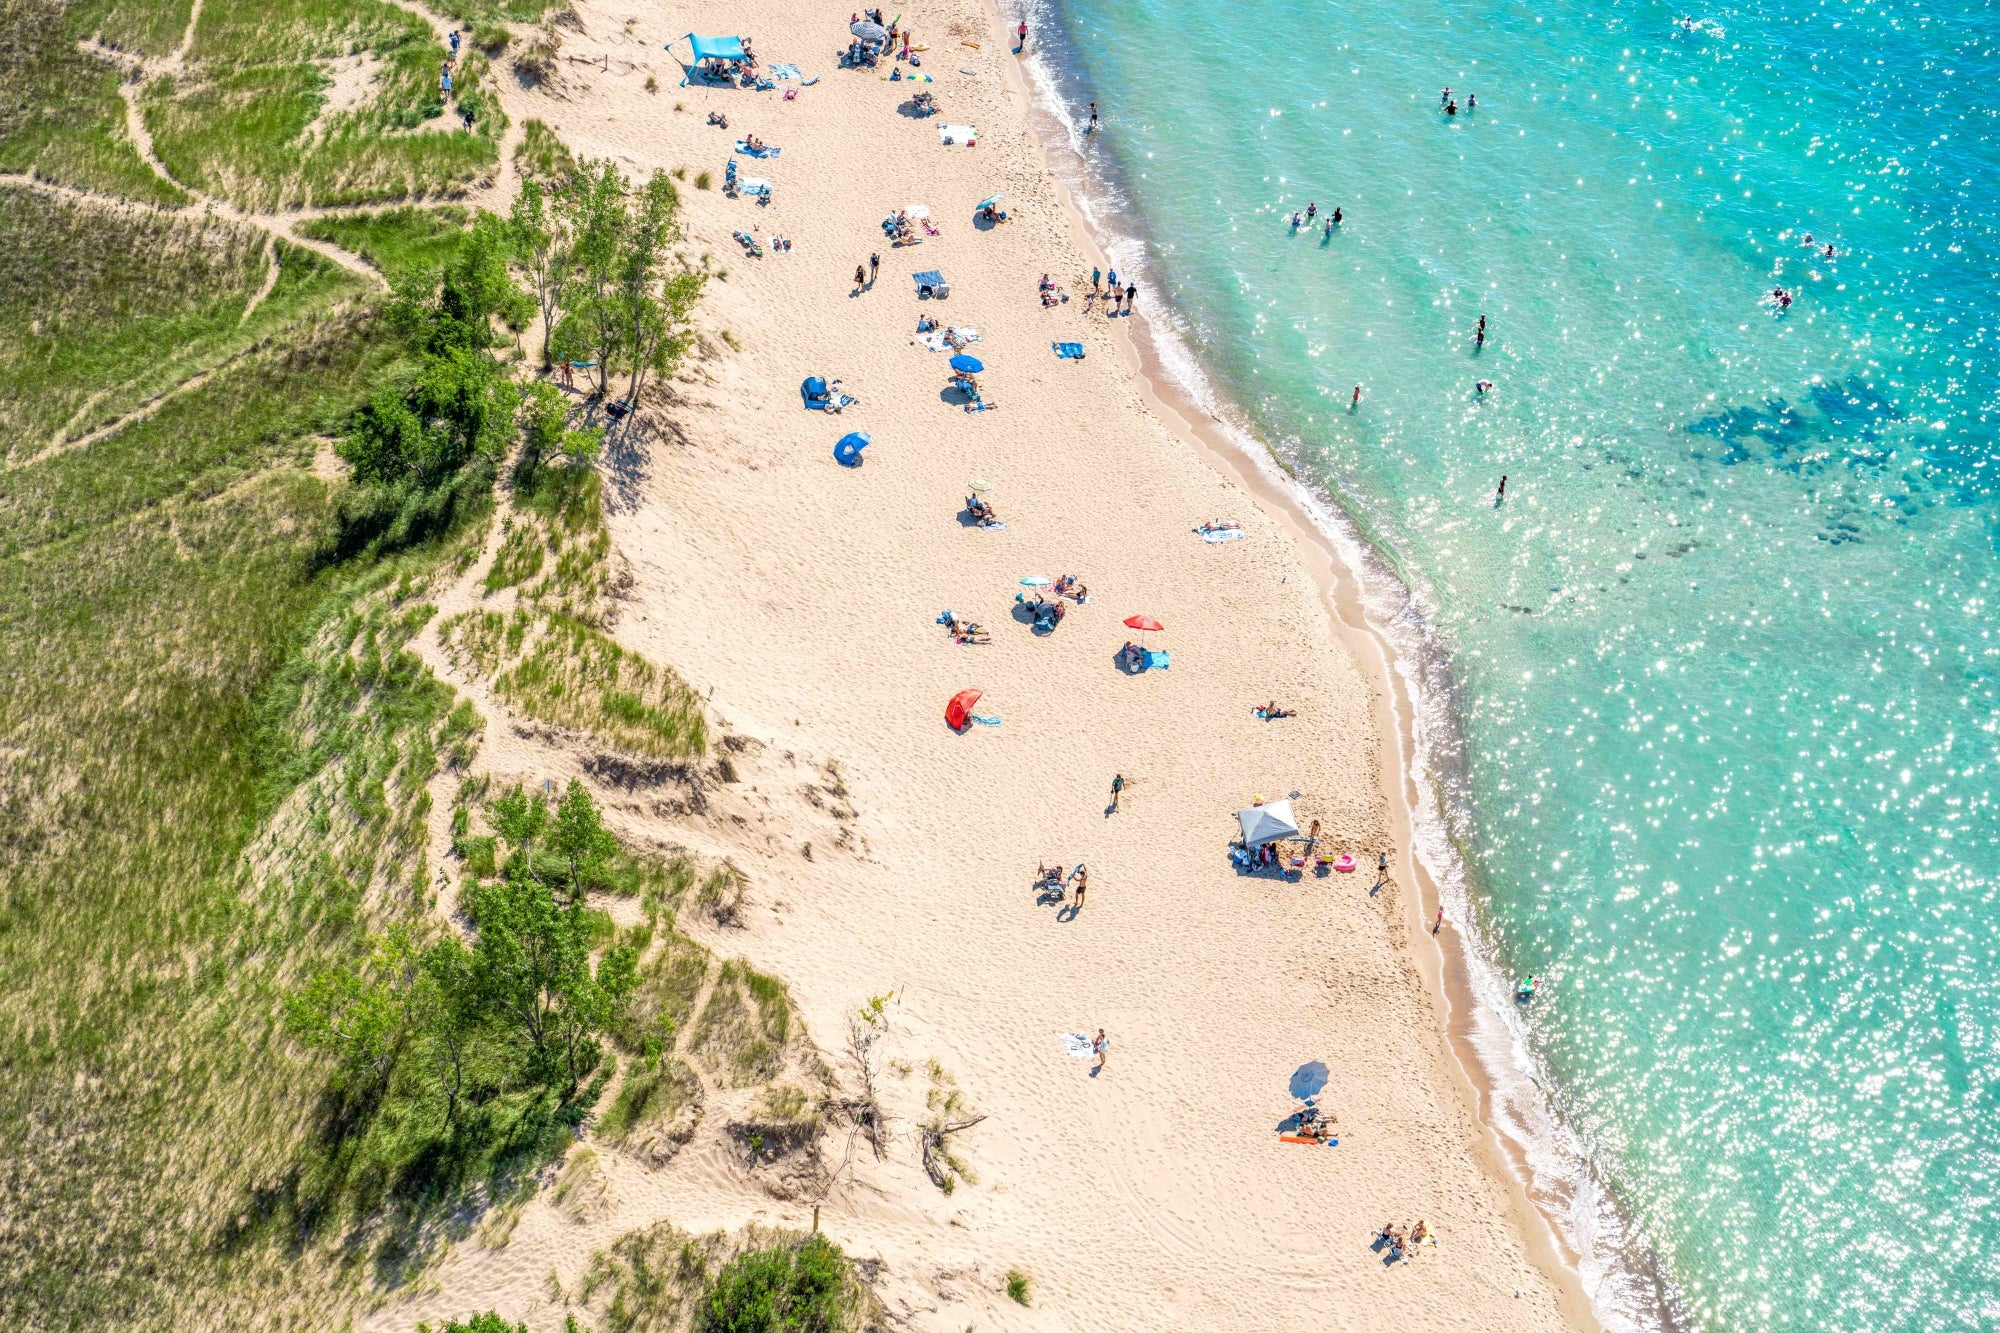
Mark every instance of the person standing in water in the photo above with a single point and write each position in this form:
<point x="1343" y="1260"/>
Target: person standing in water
<point x="1357" y="398"/>
<point x="1312" y="211"/>
<point x="1500" y="496"/>
<point x="1472" y="101"/>
<point x="1479" y="334"/>
<point x="1093" y="119"/>
<point x="1021" y="47"/>
<point x="1336" y="215"/>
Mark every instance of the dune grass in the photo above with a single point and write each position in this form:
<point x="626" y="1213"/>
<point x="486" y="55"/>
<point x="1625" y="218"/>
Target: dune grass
<point x="139" y="302"/>
<point x="61" y="117"/>
<point x="401" y="242"/>
<point x="248" y="120"/>
<point x="158" y="595"/>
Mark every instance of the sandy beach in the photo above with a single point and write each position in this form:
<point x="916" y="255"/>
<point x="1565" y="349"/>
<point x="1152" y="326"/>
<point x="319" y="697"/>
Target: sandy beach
<point x="801" y="597"/>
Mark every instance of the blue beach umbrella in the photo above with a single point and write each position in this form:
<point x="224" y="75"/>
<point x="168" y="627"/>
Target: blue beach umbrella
<point x="971" y="365"/>
<point x="990" y="200"/>
<point x="1036" y="581"/>
<point x="1308" y="1079"/>
<point x="848" y="451"/>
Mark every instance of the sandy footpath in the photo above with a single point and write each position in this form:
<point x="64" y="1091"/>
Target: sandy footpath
<point x="804" y="594"/>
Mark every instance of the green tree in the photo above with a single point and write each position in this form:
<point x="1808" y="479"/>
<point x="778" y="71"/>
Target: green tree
<point x="581" y="840"/>
<point x="652" y="305"/>
<point x="539" y="230"/>
<point x="545" y="414"/>
<point x="358" y="1013"/>
<point x="532" y="967"/>
<point x="592" y="202"/>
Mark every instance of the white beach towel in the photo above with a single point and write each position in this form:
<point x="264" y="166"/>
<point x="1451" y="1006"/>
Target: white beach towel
<point x="964" y="134"/>
<point x="1077" y="1044"/>
<point x="1212" y="535"/>
<point x="917" y="210"/>
<point x="935" y="338"/>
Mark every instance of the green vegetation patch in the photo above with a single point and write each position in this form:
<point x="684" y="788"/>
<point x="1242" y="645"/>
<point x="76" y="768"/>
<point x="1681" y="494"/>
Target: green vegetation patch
<point x="762" y="1280"/>
<point x="741" y="1035"/>
<point x="403" y="243"/>
<point x="130" y="304"/>
<point x="249" y="119"/>
<point x="61" y="117"/>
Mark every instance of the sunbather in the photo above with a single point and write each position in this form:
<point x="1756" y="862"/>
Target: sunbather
<point x="717" y="118"/>
<point x="1271" y="710"/>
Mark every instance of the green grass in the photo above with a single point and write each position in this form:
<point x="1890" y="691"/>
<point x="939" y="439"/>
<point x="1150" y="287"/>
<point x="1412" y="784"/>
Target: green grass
<point x="744" y="1027"/>
<point x="61" y="117"/>
<point x="181" y="662"/>
<point x="144" y="27"/>
<point x="761" y="1280"/>
<point x="1018" y="1287"/>
<point x="519" y="558"/>
<point x="140" y="302"/>
<point x="401" y="242"/>
<point x="541" y="153"/>
<point x="246" y="121"/>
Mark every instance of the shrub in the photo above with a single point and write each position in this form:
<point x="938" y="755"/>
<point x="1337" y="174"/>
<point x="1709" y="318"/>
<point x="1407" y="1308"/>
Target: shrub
<point x="703" y="180"/>
<point x="808" y="1288"/>
<point x="1017" y="1286"/>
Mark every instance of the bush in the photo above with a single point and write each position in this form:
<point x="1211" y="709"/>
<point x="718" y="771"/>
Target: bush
<point x="807" y="1288"/>
<point x="703" y="181"/>
<point x="1017" y="1286"/>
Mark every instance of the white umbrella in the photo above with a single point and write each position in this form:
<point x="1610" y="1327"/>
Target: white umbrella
<point x="868" y="32"/>
<point x="1267" y="823"/>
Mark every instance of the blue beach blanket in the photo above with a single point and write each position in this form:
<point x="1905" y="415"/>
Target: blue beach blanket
<point x="786" y="72"/>
<point x="743" y="147"/>
<point x="1069" y="351"/>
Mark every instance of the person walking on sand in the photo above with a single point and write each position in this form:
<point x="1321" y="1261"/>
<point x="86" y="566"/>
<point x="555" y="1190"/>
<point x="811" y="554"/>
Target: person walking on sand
<point x="1096" y="281"/>
<point x="874" y="266"/>
<point x="1381" y="868"/>
<point x="1082" y="878"/>
<point x="1438" y="924"/>
<point x="1021" y="47"/>
<point x="860" y="279"/>
<point x="1117" y="786"/>
<point x="1131" y="295"/>
<point x="1100" y="1046"/>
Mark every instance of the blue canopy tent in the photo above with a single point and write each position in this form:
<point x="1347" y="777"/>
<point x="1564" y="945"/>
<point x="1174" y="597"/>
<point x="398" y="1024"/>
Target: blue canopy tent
<point x="847" y="451"/>
<point x="708" y="48"/>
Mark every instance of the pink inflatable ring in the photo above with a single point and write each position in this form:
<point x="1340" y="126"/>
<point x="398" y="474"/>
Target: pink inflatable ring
<point x="1345" y="865"/>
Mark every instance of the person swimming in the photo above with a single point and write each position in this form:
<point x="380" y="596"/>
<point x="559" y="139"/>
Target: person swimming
<point x="1482" y="387"/>
<point x="1311" y="210"/>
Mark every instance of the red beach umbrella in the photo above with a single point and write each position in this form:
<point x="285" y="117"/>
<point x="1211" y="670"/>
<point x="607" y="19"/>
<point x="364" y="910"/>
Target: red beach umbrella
<point x="1143" y="623"/>
<point x="959" y="711"/>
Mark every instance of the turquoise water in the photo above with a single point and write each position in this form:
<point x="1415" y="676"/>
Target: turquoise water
<point x="1721" y="670"/>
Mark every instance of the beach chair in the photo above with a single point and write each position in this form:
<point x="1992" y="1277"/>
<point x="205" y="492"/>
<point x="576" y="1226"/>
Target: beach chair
<point x="815" y="394"/>
<point x="1150" y="658"/>
<point x="931" y="285"/>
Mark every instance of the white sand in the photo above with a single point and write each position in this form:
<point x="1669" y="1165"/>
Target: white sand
<point x="803" y="594"/>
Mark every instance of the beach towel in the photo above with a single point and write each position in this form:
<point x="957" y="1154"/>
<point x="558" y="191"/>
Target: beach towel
<point x="1212" y="535"/>
<point x="743" y="147"/>
<point x="786" y="72"/>
<point x="986" y="721"/>
<point x="964" y="134"/>
<point x="1069" y="351"/>
<point x="754" y="185"/>
<point x="807" y="83"/>
<point x="1157" y="660"/>
<point x="1077" y="1044"/>
<point x="935" y="338"/>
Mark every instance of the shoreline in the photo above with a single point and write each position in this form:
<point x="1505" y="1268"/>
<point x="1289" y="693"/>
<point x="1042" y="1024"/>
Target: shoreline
<point x="1446" y="967"/>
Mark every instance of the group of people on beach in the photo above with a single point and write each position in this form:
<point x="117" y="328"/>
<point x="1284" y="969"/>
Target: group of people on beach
<point x="1105" y="288"/>
<point x="1402" y="1244"/>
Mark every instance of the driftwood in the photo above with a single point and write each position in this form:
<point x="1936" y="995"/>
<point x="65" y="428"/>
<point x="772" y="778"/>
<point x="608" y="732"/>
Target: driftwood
<point x="933" y="1142"/>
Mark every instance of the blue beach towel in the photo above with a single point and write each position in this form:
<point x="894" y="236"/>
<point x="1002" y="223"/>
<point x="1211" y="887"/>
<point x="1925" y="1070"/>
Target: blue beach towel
<point x="786" y="72"/>
<point x="1156" y="659"/>
<point x="986" y="721"/>
<point x="743" y="147"/>
<point x="1069" y="351"/>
